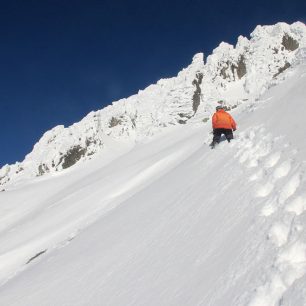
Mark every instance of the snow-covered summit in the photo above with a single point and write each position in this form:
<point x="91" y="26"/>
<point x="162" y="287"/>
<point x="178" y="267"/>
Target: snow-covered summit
<point x="234" y="74"/>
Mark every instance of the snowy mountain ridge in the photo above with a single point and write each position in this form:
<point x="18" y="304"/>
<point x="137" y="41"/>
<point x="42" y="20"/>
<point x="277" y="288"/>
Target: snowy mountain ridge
<point x="237" y="75"/>
<point x="169" y="221"/>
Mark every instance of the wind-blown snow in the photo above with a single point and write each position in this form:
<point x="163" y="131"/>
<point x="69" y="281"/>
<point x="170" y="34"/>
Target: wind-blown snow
<point x="168" y="221"/>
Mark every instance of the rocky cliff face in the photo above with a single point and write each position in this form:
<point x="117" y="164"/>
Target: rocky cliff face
<point x="234" y="74"/>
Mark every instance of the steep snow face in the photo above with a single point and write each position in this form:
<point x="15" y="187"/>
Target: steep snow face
<point x="234" y="74"/>
<point x="170" y="221"/>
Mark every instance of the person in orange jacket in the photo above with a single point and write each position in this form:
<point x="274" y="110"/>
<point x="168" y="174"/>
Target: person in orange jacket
<point x="222" y="123"/>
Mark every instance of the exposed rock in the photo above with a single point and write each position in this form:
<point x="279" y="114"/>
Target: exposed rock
<point x="275" y="50"/>
<point x="114" y="122"/>
<point x="35" y="256"/>
<point x="42" y="169"/>
<point x="133" y="120"/>
<point x="182" y="115"/>
<point x="89" y="141"/>
<point x="20" y="169"/>
<point x="4" y="180"/>
<point x="72" y="156"/>
<point x="224" y="70"/>
<point x="282" y="69"/>
<point x="196" y="99"/>
<point x="241" y="67"/>
<point x="230" y="70"/>
<point x="289" y="43"/>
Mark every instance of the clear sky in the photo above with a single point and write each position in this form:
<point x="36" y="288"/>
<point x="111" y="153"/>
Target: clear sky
<point x="61" y="59"/>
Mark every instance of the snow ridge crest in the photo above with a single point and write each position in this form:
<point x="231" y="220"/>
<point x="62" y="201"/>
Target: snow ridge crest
<point x="235" y="74"/>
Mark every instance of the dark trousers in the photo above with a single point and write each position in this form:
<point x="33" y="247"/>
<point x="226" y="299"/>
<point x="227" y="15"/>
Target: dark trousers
<point x="218" y="133"/>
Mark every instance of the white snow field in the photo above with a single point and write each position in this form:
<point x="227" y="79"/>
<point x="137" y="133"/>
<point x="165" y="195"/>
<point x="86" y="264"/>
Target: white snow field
<point x="169" y="221"/>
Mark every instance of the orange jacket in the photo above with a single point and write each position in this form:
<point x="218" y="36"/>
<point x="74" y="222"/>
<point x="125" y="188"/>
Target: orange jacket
<point x="223" y="120"/>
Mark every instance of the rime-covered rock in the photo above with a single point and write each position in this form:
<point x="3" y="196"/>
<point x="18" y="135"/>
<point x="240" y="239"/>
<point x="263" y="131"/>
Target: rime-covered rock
<point x="232" y="73"/>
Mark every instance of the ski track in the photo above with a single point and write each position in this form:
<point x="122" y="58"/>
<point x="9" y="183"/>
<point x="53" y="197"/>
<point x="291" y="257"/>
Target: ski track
<point x="257" y="150"/>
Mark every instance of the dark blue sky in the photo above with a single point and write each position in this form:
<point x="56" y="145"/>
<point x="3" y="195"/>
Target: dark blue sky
<point x="61" y="59"/>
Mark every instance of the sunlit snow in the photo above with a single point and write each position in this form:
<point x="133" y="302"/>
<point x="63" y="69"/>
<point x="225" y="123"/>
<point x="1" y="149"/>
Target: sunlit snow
<point x="162" y="219"/>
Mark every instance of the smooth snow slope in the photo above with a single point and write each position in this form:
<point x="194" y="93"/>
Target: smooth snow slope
<point x="171" y="222"/>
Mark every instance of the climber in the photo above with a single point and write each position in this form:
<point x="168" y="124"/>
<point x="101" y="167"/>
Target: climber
<point x="222" y="123"/>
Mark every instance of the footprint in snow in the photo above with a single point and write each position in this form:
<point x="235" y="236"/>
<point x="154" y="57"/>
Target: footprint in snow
<point x="244" y="157"/>
<point x="282" y="170"/>
<point x="292" y="262"/>
<point x="268" y="210"/>
<point x="286" y="192"/>
<point x="272" y="160"/>
<point x="279" y="233"/>
<point x="290" y="188"/>
<point x="257" y="175"/>
<point x="270" y="207"/>
<point x="297" y="205"/>
<point x="290" y="265"/>
<point x="264" y="190"/>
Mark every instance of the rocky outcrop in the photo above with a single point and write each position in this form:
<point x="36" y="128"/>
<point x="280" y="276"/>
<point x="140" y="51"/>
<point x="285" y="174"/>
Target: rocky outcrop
<point x="282" y="69"/>
<point x="246" y="70"/>
<point x="289" y="43"/>
<point x="183" y="118"/>
<point x="72" y="156"/>
<point x="196" y="98"/>
<point x="42" y="169"/>
<point x="114" y="122"/>
<point x="241" y="67"/>
<point x="233" y="70"/>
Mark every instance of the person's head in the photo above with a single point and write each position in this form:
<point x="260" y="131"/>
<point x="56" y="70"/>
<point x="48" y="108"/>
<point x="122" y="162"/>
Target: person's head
<point x="219" y="107"/>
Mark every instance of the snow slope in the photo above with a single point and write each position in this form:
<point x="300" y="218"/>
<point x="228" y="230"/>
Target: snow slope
<point x="170" y="221"/>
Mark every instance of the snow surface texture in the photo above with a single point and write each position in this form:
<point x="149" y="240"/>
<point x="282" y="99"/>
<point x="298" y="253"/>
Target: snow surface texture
<point x="170" y="221"/>
<point x="236" y="74"/>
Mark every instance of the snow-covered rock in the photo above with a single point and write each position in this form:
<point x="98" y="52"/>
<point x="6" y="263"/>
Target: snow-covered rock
<point x="233" y="74"/>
